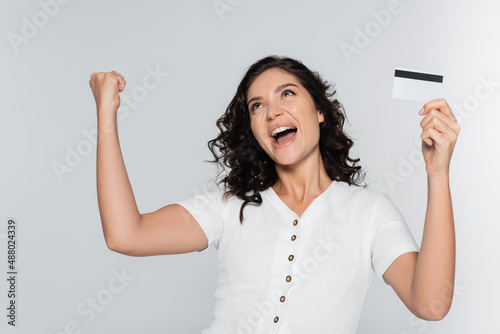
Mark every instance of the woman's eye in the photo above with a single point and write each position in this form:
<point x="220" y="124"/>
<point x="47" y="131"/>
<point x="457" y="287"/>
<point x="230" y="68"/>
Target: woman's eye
<point x="253" y="106"/>
<point x="284" y="94"/>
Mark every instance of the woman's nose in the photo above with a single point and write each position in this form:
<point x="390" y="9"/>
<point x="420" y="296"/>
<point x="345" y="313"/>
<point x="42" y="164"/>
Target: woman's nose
<point x="273" y="110"/>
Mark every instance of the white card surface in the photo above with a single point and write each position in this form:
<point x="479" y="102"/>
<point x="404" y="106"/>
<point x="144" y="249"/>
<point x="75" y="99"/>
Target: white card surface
<point x="417" y="85"/>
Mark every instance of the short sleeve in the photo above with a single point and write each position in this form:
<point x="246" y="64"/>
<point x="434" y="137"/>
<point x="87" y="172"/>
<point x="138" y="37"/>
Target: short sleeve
<point x="207" y="209"/>
<point x="391" y="237"/>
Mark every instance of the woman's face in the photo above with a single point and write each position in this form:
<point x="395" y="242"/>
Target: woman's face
<point x="276" y="99"/>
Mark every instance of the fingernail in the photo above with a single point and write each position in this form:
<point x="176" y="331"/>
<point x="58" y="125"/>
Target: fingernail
<point x="421" y="112"/>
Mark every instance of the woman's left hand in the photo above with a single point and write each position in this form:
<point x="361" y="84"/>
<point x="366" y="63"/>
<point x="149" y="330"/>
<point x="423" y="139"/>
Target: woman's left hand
<point x="439" y="134"/>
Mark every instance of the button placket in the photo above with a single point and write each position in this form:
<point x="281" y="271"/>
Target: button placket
<point x="291" y="257"/>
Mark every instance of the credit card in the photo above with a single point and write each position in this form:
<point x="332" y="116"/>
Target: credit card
<point x="416" y="85"/>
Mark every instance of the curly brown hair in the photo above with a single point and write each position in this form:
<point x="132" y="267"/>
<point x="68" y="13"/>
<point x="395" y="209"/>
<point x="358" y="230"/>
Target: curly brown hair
<point x="251" y="169"/>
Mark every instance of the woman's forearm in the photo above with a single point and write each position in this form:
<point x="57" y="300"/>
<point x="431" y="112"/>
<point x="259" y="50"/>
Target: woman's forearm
<point x="117" y="206"/>
<point x="433" y="280"/>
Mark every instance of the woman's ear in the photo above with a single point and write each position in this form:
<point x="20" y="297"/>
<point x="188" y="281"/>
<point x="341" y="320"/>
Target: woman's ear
<point x="321" y="116"/>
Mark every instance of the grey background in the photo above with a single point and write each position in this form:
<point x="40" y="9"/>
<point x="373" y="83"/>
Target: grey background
<point x="63" y="261"/>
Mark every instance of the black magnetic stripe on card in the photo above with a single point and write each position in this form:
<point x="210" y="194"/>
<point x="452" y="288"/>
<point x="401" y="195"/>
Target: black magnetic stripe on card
<point x="418" y="76"/>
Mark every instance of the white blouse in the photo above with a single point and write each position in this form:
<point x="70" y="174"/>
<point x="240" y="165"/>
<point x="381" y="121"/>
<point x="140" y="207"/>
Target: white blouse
<point x="281" y="273"/>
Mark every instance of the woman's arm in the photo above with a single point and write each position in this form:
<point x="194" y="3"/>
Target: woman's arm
<point x="117" y="206"/>
<point x="169" y="230"/>
<point x="434" y="276"/>
<point x="120" y="216"/>
<point x="425" y="281"/>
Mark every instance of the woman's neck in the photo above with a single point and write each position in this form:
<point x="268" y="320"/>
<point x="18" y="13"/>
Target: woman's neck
<point x="302" y="180"/>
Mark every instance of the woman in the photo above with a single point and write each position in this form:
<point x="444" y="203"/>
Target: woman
<point x="300" y="260"/>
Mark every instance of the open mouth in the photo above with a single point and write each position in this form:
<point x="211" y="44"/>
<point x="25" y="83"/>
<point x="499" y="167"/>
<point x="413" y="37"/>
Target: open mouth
<point x="284" y="137"/>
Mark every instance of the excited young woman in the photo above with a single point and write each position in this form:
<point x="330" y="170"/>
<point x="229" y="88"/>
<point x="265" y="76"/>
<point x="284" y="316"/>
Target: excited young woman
<point x="300" y="258"/>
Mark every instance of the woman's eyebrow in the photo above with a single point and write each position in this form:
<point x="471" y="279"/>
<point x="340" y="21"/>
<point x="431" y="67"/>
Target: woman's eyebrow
<point x="277" y="90"/>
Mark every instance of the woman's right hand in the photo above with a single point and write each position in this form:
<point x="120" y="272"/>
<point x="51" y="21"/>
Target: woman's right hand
<point x="106" y="87"/>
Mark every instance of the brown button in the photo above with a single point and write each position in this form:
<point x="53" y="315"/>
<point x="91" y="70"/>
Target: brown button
<point x="295" y="222"/>
<point x="282" y="298"/>
<point x="288" y="278"/>
<point x="290" y="257"/>
<point x="276" y="319"/>
<point x="293" y="237"/>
